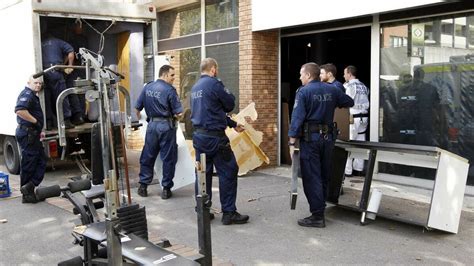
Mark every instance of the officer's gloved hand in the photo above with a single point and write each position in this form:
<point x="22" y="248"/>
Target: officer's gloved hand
<point x="68" y="70"/>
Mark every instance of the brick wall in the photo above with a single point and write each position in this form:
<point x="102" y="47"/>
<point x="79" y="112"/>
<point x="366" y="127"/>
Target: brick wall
<point x="258" y="77"/>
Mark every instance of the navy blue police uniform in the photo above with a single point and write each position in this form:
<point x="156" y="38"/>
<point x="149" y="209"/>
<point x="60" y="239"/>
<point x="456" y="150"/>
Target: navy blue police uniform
<point x="338" y="85"/>
<point x="210" y="103"/>
<point x="53" y="53"/>
<point x="77" y="102"/>
<point x="33" y="159"/>
<point x="161" y="103"/>
<point x="312" y="122"/>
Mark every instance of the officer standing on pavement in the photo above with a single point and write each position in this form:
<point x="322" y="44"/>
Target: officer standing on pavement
<point x="57" y="52"/>
<point x="359" y="116"/>
<point x="210" y="103"/>
<point x="312" y="123"/>
<point x="30" y="123"/>
<point x="162" y="106"/>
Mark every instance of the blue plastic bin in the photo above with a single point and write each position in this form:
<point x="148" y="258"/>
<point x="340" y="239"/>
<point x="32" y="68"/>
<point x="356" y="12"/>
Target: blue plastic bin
<point x="4" y="186"/>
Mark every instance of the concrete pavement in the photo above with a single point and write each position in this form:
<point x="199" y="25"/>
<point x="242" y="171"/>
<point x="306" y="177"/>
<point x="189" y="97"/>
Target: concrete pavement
<point x="271" y="237"/>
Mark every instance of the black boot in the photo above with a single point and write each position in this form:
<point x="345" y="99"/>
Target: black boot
<point x="77" y="119"/>
<point x="30" y="198"/>
<point x="166" y="193"/>
<point x="234" y="218"/>
<point x="68" y="124"/>
<point x="142" y="190"/>
<point x="28" y="188"/>
<point x="28" y="191"/>
<point x="314" y="220"/>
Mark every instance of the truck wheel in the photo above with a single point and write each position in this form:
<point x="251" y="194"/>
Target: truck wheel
<point x="11" y="155"/>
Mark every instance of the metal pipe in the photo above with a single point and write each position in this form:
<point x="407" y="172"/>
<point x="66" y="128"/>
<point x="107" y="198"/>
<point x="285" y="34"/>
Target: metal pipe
<point x="60" y="113"/>
<point x="122" y="140"/>
<point x="204" y="220"/>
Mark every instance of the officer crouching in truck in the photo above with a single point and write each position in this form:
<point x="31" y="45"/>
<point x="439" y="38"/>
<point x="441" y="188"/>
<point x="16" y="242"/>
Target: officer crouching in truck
<point x="312" y="123"/>
<point x="30" y="123"/>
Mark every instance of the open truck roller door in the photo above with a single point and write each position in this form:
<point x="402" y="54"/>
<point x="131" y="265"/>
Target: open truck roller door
<point x="123" y="33"/>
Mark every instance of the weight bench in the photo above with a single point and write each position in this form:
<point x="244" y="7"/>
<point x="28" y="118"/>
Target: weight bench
<point x="134" y="248"/>
<point x="96" y="192"/>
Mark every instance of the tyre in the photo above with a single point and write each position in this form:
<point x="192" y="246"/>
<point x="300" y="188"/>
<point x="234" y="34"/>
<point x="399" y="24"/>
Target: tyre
<point x="11" y="155"/>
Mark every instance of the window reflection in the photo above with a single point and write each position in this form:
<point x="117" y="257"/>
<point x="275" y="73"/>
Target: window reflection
<point x="186" y="64"/>
<point x="427" y="86"/>
<point x="227" y="56"/>
<point x="179" y="22"/>
<point x="177" y="32"/>
<point x="221" y="14"/>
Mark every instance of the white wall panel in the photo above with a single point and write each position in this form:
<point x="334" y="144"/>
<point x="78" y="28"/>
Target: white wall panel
<point x="271" y="14"/>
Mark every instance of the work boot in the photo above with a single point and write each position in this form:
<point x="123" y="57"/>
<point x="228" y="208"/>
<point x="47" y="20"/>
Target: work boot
<point x="28" y="188"/>
<point x="28" y="191"/>
<point x="30" y="198"/>
<point x="313" y="221"/>
<point x="234" y="217"/>
<point x="142" y="190"/>
<point x="68" y="124"/>
<point x="77" y="119"/>
<point x="166" y="193"/>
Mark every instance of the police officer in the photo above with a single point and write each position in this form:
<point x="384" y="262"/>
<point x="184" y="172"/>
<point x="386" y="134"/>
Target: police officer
<point x="312" y="123"/>
<point x="210" y="103"/>
<point x="77" y="101"/>
<point x="54" y="51"/>
<point x="30" y="123"/>
<point x="328" y="75"/>
<point x="162" y="105"/>
<point x="359" y="113"/>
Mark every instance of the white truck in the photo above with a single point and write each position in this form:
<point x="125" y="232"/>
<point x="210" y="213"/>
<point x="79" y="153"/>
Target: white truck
<point x="125" y="34"/>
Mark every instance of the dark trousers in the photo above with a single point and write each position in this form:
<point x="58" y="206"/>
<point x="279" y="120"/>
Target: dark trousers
<point x="160" y="138"/>
<point x="315" y="159"/>
<point x="218" y="154"/>
<point x="55" y="84"/>
<point x="77" y="101"/>
<point x="33" y="159"/>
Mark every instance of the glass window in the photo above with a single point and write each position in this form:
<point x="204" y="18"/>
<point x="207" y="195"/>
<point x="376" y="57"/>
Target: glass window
<point x="447" y="30"/>
<point x="426" y="90"/>
<point x="179" y="32"/>
<point x="227" y="57"/>
<point x="221" y="14"/>
<point x="470" y="31"/>
<point x="432" y="33"/>
<point x="460" y="40"/>
<point x="186" y="64"/>
<point x="179" y="22"/>
<point x="398" y="41"/>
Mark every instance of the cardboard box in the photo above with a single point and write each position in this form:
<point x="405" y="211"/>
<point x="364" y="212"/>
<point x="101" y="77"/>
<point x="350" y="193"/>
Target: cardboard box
<point x="341" y="117"/>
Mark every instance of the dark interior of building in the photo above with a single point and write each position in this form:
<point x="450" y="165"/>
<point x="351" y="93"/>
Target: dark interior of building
<point x="341" y="47"/>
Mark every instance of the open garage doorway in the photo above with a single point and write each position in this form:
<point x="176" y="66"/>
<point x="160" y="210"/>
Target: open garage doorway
<point x="339" y="47"/>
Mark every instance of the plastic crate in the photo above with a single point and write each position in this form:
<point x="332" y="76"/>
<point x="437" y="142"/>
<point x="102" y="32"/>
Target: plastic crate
<point x="4" y="186"/>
